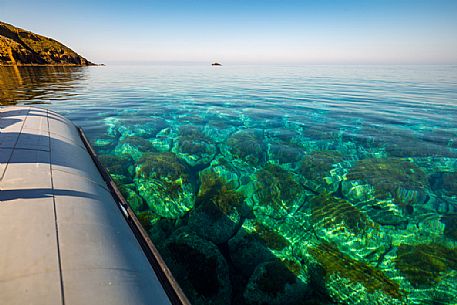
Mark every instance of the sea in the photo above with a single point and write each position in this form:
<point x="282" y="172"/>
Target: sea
<point x="281" y="184"/>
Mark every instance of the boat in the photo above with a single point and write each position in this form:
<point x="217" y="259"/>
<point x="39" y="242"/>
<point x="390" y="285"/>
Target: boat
<point x="67" y="236"/>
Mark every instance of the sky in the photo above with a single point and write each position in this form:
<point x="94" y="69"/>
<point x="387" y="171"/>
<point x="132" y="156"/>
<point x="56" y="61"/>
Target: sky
<point x="246" y="31"/>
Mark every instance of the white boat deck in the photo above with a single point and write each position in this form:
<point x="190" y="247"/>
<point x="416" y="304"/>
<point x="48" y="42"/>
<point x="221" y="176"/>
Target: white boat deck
<point x="63" y="239"/>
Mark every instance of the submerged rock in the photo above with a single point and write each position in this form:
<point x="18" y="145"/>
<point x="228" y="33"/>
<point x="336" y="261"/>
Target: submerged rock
<point x="105" y="144"/>
<point x="444" y="183"/>
<point x="285" y="153"/>
<point x="450" y="229"/>
<point x="194" y="146"/>
<point x="247" y="251"/>
<point x="277" y="190"/>
<point x="134" y="146"/>
<point x="392" y="178"/>
<point x="316" y="169"/>
<point x="200" y="269"/>
<point x="218" y="212"/>
<point x="249" y="146"/>
<point x="160" y="228"/>
<point x="425" y="265"/>
<point x="164" y="182"/>
<point x="341" y="275"/>
<point x="139" y="143"/>
<point x="414" y="147"/>
<point x="335" y="214"/>
<point x="118" y="165"/>
<point x="272" y="283"/>
<point x="130" y="194"/>
<point x="272" y="239"/>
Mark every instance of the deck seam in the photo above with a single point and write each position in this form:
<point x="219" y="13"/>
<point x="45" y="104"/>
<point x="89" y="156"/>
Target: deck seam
<point x="59" y="259"/>
<point x="14" y="146"/>
<point x="83" y="177"/>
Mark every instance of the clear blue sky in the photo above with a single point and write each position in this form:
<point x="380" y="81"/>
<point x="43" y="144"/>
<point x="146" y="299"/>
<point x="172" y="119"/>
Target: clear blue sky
<point x="246" y="31"/>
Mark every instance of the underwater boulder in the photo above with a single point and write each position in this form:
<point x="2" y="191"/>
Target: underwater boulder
<point x="118" y="165"/>
<point x="416" y="147"/>
<point x="153" y="126"/>
<point x="247" y="251"/>
<point x="285" y="153"/>
<point x="159" y="228"/>
<point x="338" y="221"/>
<point x="249" y="146"/>
<point x="272" y="283"/>
<point x="444" y="183"/>
<point x="199" y="268"/>
<point x="163" y="180"/>
<point x="139" y="143"/>
<point x="105" y="144"/>
<point x="260" y="117"/>
<point x="228" y="171"/>
<point x="145" y="127"/>
<point x="425" y="265"/>
<point x="218" y="209"/>
<point x="283" y="135"/>
<point x="194" y="146"/>
<point x="134" y="146"/>
<point x="324" y="131"/>
<point x="332" y="214"/>
<point x="316" y="169"/>
<point x="277" y="191"/>
<point x="385" y="212"/>
<point x="268" y="236"/>
<point x="341" y="275"/>
<point x="146" y="219"/>
<point x="392" y="178"/>
<point x="450" y="223"/>
<point x="130" y="194"/>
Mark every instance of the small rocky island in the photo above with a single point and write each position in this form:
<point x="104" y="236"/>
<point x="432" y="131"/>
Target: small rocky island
<point x="20" y="47"/>
<point x="216" y="64"/>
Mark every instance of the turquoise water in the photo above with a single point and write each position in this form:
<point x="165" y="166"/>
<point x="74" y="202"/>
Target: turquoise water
<point x="278" y="185"/>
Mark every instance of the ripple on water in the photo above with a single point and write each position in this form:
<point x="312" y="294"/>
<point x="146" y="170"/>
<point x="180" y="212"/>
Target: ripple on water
<point x="278" y="185"/>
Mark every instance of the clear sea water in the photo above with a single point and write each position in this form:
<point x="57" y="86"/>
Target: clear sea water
<point x="277" y="184"/>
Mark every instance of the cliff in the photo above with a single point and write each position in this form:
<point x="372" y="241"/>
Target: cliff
<point x="21" y="47"/>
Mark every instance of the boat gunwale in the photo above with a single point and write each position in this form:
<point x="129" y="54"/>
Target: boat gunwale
<point x="163" y="273"/>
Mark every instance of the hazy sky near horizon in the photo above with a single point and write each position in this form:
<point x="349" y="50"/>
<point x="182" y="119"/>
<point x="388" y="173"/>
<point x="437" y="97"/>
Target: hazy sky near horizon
<point x="246" y="31"/>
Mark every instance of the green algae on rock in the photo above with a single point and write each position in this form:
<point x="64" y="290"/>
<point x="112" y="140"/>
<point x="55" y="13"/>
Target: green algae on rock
<point x="317" y="168"/>
<point x="423" y="265"/>
<point x="163" y="181"/>
<point x="249" y="146"/>
<point x="163" y="165"/>
<point x="318" y="164"/>
<point x="140" y="143"/>
<point x="218" y="209"/>
<point x="285" y="153"/>
<point x="194" y="146"/>
<point x="277" y="188"/>
<point x="338" y="214"/>
<point x="118" y="164"/>
<point x="287" y="202"/>
<point x="394" y="178"/>
<point x="337" y="263"/>
<point x="272" y="239"/>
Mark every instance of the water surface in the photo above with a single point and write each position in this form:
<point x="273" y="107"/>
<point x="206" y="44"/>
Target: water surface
<point x="278" y="185"/>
